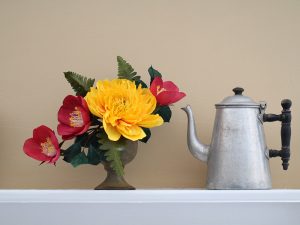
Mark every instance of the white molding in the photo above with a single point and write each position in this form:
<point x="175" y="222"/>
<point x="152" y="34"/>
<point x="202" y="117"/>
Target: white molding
<point x="155" y="207"/>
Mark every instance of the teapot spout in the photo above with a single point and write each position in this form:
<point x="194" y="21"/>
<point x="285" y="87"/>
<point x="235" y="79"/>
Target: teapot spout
<point x="198" y="150"/>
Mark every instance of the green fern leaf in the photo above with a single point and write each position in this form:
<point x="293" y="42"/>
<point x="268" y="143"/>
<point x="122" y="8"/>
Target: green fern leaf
<point x="113" y="151"/>
<point x="125" y="70"/>
<point x="80" y="84"/>
<point x="114" y="157"/>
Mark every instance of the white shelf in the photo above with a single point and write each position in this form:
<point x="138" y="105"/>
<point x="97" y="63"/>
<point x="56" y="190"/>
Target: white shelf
<point x="149" y="207"/>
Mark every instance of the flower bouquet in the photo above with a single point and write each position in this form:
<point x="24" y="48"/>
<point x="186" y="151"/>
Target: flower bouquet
<point x="106" y="121"/>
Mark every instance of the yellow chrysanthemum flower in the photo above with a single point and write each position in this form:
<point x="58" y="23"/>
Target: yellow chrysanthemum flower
<point x="123" y="108"/>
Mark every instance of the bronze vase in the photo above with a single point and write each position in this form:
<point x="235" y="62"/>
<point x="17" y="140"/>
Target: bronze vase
<point x="112" y="180"/>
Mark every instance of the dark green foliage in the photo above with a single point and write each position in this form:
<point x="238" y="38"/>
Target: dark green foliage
<point x="125" y="70"/>
<point x="75" y="153"/>
<point x="86" y="140"/>
<point x="71" y="152"/>
<point x="80" y="84"/>
<point x="153" y="73"/>
<point x="95" y="155"/>
<point x="95" y="120"/>
<point x="165" y="112"/>
<point x="79" y="139"/>
<point x="148" y="135"/>
<point x="140" y="82"/>
<point x="79" y="159"/>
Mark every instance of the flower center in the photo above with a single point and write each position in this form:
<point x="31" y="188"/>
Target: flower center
<point x="76" y="118"/>
<point x="159" y="89"/>
<point x="48" y="148"/>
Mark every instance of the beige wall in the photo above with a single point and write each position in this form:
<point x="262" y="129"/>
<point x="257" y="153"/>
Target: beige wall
<point x="206" y="47"/>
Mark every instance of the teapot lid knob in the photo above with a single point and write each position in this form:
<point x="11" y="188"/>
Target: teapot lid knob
<point x="286" y="104"/>
<point x="238" y="90"/>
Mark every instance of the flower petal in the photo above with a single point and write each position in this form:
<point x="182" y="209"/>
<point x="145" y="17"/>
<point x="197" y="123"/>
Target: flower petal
<point x="132" y="132"/>
<point x="157" y="82"/>
<point x="54" y="141"/>
<point x="169" y="97"/>
<point x="41" y="133"/>
<point x="33" y="150"/>
<point x="67" y="137"/>
<point x="84" y="104"/>
<point x="63" y="115"/>
<point x="112" y="132"/>
<point x="170" y="86"/>
<point x="63" y="129"/>
<point x="85" y="114"/>
<point x="94" y="103"/>
<point x="151" y="121"/>
<point x="71" y="101"/>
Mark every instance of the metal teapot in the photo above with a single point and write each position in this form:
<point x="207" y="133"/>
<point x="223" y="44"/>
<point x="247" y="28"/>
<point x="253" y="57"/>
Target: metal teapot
<point x="238" y="157"/>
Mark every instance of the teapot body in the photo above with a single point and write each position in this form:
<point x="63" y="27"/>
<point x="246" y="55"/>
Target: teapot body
<point x="238" y="156"/>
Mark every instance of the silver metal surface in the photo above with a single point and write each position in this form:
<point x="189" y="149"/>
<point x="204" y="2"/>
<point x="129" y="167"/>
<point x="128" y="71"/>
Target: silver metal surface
<point x="237" y="101"/>
<point x="198" y="150"/>
<point x="237" y="157"/>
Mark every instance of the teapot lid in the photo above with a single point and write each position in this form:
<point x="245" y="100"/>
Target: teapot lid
<point x="237" y="100"/>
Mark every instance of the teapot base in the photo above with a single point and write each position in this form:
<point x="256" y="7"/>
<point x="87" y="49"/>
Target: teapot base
<point x="238" y="187"/>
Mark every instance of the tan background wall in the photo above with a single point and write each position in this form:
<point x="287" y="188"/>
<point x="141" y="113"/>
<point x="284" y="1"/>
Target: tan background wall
<point x="206" y="47"/>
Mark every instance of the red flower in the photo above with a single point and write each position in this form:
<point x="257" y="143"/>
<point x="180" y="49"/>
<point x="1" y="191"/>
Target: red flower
<point x="43" y="146"/>
<point x="73" y="116"/>
<point x="166" y="92"/>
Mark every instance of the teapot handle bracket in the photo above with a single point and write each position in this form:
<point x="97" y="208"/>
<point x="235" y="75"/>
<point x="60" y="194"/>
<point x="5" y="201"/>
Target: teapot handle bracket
<point x="285" y="117"/>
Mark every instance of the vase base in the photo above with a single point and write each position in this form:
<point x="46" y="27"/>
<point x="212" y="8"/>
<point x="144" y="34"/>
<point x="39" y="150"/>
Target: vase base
<point x="100" y="187"/>
<point x="114" y="182"/>
<point x="123" y="185"/>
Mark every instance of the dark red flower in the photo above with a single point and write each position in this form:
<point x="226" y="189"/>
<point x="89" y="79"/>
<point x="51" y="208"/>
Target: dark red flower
<point x="166" y="92"/>
<point x="43" y="146"/>
<point x="73" y="117"/>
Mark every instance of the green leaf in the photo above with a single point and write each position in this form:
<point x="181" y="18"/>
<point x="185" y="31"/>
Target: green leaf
<point x="76" y="156"/>
<point x="72" y="151"/>
<point x="153" y="73"/>
<point x="140" y="82"/>
<point x="80" y="84"/>
<point x="148" y="135"/>
<point x="95" y="155"/>
<point x="112" y="153"/>
<point x="165" y="112"/>
<point x="95" y="120"/>
<point x="85" y="139"/>
<point x="79" y="159"/>
<point x="125" y="70"/>
<point x="80" y="138"/>
<point x="114" y="157"/>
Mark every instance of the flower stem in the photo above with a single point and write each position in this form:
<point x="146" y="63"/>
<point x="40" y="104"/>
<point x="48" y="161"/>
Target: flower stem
<point x="91" y="135"/>
<point x="61" y="143"/>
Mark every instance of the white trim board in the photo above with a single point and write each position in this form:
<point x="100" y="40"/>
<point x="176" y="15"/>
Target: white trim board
<point x="150" y="207"/>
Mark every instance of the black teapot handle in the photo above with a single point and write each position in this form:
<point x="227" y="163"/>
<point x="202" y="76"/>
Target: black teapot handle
<point x="285" y="117"/>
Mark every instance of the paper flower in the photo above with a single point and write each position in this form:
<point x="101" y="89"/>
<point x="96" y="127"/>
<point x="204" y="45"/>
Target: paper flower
<point x="165" y="92"/>
<point x="123" y="108"/>
<point x="73" y="117"/>
<point x="43" y="146"/>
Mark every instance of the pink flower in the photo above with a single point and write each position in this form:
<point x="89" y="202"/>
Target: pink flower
<point x="43" y="146"/>
<point x="166" y="92"/>
<point x="73" y="117"/>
